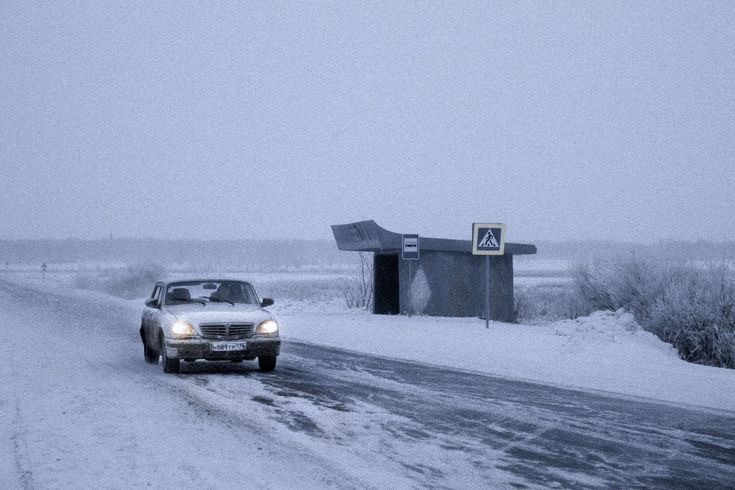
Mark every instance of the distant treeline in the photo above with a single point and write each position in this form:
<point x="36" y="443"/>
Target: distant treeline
<point x="240" y="253"/>
<point x="666" y="250"/>
<point x="298" y="253"/>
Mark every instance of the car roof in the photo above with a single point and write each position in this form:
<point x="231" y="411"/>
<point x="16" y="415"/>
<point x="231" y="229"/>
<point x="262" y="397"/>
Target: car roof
<point x="205" y="279"/>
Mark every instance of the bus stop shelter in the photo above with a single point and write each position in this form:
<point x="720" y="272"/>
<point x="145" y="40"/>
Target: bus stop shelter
<point x="449" y="280"/>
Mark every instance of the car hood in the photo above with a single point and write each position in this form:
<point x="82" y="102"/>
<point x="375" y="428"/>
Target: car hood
<point x="221" y="314"/>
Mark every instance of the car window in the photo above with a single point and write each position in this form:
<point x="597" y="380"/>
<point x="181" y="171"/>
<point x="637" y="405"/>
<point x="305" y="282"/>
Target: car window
<point x="177" y="295"/>
<point x="236" y="292"/>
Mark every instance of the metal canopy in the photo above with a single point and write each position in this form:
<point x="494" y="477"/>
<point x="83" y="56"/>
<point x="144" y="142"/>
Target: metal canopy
<point x="368" y="236"/>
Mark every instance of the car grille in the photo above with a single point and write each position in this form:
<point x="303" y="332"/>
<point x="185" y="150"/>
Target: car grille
<point x="226" y="330"/>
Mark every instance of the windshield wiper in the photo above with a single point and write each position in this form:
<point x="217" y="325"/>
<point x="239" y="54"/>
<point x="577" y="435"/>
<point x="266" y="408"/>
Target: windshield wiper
<point x="191" y="300"/>
<point x="221" y="300"/>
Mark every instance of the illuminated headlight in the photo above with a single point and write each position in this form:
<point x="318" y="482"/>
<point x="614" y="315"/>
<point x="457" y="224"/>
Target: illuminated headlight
<point x="268" y="326"/>
<point x="182" y="328"/>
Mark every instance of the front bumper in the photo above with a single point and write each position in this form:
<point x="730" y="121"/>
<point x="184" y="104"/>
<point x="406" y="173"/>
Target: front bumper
<point x="203" y="349"/>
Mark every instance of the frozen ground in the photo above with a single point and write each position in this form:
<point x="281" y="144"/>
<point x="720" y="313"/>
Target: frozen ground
<point x="80" y="408"/>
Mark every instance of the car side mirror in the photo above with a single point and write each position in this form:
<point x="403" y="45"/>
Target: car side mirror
<point x="267" y="302"/>
<point x="151" y="303"/>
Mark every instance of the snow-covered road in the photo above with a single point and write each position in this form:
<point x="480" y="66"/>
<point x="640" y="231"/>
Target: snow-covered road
<point x="80" y="408"/>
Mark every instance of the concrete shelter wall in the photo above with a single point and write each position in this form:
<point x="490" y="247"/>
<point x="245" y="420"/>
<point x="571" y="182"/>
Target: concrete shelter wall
<point x="455" y="282"/>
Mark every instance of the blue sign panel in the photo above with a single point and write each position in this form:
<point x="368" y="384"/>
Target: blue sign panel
<point x="410" y="250"/>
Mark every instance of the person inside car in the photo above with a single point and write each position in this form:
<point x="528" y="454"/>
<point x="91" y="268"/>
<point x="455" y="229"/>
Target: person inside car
<point x="228" y="292"/>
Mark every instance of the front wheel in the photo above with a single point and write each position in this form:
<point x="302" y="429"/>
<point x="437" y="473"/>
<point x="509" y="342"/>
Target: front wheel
<point x="149" y="353"/>
<point x="169" y="365"/>
<point x="267" y="363"/>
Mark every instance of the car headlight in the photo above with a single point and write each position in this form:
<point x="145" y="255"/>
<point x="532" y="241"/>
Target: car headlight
<point x="267" y="327"/>
<point x="183" y="328"/>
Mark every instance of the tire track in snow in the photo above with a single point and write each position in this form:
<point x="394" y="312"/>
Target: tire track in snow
<point x="213" y="404"/>
<point x="21" y="458"/>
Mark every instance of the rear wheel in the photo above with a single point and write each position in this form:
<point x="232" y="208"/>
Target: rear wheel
<point x="150" y="355"/>
<point x="267" y="363"/>
<point x="169" y="365"/>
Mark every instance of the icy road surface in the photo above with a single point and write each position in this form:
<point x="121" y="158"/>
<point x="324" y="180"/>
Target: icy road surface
<point x="80" y="408"/>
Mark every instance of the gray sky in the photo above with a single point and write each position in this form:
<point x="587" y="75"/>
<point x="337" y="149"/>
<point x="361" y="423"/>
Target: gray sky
<point x="565" y="120"/>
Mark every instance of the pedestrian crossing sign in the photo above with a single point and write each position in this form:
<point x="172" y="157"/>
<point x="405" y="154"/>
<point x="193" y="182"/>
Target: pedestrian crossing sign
<point x="488" y="238"/>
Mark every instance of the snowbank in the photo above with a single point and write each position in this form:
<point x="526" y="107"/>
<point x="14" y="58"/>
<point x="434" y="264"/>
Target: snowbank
<point x="607" y="351"/>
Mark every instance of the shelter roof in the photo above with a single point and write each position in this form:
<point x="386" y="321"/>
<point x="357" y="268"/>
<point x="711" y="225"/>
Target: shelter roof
<point x="368" y="236"/>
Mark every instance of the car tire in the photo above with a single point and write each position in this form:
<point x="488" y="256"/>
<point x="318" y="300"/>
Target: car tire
<point x="267" y="363"/>
<point x="150" y="355"/>
<point x="169" y="365"/>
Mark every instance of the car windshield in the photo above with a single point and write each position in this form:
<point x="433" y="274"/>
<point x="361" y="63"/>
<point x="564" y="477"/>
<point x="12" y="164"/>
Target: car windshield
<point x="232" y="292"/>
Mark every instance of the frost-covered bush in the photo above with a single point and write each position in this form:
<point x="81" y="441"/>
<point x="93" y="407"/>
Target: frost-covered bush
<point x="631" y="281"/>
<point x="545" y="303"/>
<point x="696" y="313"/>
<point x="133" y="281"/>
<point x="691" y="306"/>
<point x="358" y="290"/>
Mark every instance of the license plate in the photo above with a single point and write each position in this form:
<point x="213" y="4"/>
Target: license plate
<point x="229" y="346"/>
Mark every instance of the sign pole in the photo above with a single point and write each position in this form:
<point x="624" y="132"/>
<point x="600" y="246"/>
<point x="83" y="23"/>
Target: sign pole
<point x="487" y="291"/>
<point x="410" y="286"/>
<point x="410" y="252"/>
<point x="488" y="239"/>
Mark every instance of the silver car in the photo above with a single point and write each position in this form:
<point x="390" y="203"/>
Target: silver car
<point x="216" y="320"/>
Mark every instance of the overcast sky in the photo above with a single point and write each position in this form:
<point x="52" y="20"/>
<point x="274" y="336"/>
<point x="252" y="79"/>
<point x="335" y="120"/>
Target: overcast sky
<point x="564" y="120"/>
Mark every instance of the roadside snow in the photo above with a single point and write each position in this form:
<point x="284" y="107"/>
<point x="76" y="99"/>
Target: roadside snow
<point x="607" y="351"/>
